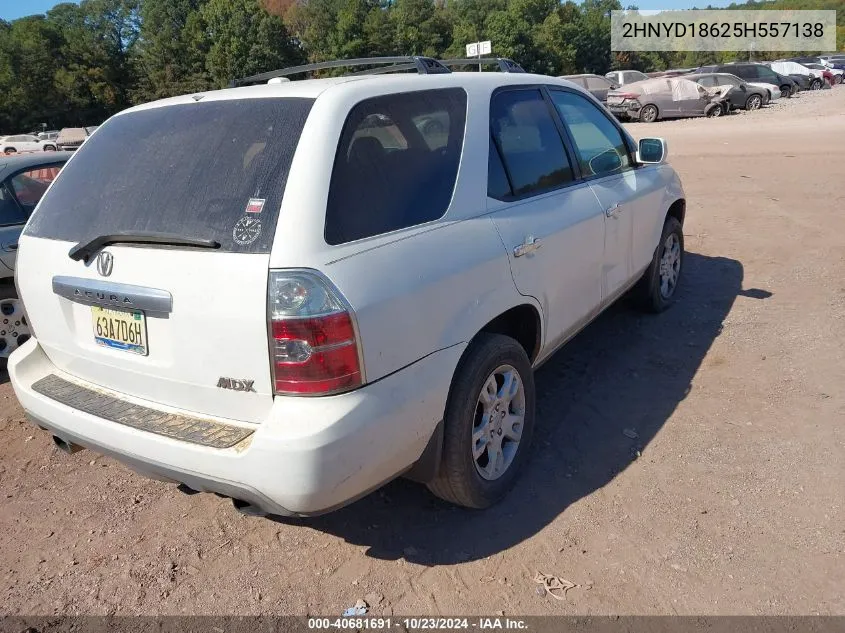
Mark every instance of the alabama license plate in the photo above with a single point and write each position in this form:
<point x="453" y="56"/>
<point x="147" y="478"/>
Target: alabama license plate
<point x="120" y="329"/>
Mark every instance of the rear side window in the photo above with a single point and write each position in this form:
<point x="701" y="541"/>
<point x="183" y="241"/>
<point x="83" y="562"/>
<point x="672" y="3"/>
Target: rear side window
<point x="597" y="83"/>
<point x="396" y="163"/>
<point x="214" y="170"/>
<point x="531" y="147"/>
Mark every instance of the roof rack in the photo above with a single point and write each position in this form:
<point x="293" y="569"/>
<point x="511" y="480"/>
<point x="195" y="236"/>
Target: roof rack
<point x="423" y="66"/>
<point x="505" y="65"/>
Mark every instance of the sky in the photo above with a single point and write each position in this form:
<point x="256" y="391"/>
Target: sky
<point x="13" y="9"/>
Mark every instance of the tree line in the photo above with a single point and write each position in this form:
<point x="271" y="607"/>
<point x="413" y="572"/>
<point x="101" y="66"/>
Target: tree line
<point x="80" y="63"/>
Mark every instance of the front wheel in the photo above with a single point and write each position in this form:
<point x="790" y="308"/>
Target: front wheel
<point x="754" y="102"/>
<point x="656" y="289"/>
<point x="816" y="85"/>
<point x="714" y="110"/>
<point x="488" y="423"/>
<point x="785" y="92"/>
<point x="648" y="114"/>
<point x="49" y="148"/>
<point x="9" y="151"/>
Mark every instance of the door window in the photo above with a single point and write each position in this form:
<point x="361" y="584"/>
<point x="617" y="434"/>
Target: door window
<point x="599" y="143"/>
<point x="707" y="81"/>
<point x="10" y="211"/>
<point x="30" y="185"/>
<point x="532" y="150"/>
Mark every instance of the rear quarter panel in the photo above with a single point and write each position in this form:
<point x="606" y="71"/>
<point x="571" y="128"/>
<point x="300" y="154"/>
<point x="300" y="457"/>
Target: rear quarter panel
<point x="416" y="290"/>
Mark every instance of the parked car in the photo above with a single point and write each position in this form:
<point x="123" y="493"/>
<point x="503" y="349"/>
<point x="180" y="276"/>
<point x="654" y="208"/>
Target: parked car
<point x="353" y="355"/>
<point x="772" y="92"/>
<point x="48" y="136"/>
<point x="831" y="75"/>
<point x="71" y="138"/>
<point x="622" y="77"/>
<point x="667" y="97"/>
<point x="814" y="79"/>
<point x="23" y="180"/>
<point x="595" y="85"/>
<point x="748" y="71"/>
<point x="743" y="95"/>
<point x="25" y="143"/>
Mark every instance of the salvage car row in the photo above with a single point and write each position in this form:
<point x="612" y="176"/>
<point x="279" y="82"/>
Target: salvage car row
<point x="68" y="140"/>
<point x="712" y="90"/>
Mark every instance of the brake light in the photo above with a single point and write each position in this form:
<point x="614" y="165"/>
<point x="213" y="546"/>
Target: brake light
<point x="313" y="344"/>
<point x="626" y="95"/>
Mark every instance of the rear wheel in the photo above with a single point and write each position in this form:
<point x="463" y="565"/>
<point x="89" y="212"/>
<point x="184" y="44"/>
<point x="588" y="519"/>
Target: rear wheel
<point x="715" y="110"/>
<point x="10" y="150"/>
<point x="837" y="79"/>
<point x="14" y="329"/>
<point x="785" y="91"/>
<point x="49" y="148"/>
<point x="648" y="114"/>
<point x="656" y="289"/>
<point x="488" y="423"/>
<point x="754" y="102"/>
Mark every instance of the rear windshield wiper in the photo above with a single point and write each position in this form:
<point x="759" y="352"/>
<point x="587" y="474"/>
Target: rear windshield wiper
<point x="84" y="250"/>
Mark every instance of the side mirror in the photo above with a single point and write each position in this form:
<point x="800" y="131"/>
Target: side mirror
<point x="652" y="151"/>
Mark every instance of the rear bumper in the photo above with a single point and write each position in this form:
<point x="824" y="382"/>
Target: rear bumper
<point x="310" y="456"/>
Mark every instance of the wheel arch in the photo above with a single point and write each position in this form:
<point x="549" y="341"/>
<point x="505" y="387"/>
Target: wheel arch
<point x="523" y="323"/>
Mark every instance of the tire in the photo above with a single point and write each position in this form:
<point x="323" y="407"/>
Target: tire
<point x="838" y="79"/>
<point x="754" y="102"/>
<point x="816" y="85"/>
<point x="785" y="92"/>
<point x="714" y="111"/>
<point x="14" y="330"/>
<point x="461" y="478"/>
<point x="49" y="148"/>
<point x="10" y="150"/>
<point x="649" y="114"/>
<point x="649" y="291"/>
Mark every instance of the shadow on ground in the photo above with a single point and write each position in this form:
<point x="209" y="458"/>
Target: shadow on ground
<point x="626" y="371"/>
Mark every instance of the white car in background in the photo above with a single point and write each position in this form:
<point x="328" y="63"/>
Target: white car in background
<point x="290" y="294"/>
<point x="774" y="92"/>
<point x="19" y="143"/>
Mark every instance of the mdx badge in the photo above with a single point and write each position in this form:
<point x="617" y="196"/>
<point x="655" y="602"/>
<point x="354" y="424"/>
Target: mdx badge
<point x="236" y="384"/>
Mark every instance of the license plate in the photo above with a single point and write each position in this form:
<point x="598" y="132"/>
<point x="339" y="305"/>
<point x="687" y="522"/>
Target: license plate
<point x="615" y="99"/>
<point x="120" y="329"/>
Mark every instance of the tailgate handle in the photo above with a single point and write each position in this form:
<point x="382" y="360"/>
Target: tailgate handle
<point x="113" y="295"/>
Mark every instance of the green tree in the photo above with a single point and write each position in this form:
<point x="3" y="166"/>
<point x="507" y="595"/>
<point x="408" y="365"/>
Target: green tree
<point x="244" y="39"/>
<point x="171" y="55"/>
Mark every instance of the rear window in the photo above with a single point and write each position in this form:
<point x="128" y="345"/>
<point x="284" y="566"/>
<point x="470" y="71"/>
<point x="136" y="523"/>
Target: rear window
<point x="396" y="163"/>
<point x="214" y="170"/>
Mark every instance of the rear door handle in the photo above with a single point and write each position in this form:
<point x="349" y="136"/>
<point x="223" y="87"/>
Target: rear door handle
<point x="613" y="211"/>
<point x="530" y="245"/>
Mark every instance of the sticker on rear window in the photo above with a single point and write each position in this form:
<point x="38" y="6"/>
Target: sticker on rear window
<point x="246" y="230"/>
<point x="255" y="205"/>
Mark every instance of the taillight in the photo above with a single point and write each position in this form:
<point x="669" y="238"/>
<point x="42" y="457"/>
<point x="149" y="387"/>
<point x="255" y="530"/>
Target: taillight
<point x="313" y="344"/>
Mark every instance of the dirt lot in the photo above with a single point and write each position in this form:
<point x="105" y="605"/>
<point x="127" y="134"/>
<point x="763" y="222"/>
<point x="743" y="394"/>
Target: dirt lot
<point x="728" y="500"/>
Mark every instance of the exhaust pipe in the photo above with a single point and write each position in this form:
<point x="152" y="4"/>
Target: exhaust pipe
<point x="250" y="510"/>
<point x="67" y="447"/>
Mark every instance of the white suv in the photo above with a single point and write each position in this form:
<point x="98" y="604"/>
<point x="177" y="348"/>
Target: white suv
<point x="290" y="294"/>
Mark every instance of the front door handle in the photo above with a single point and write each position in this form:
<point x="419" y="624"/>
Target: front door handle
<point x="530" y="245"/>
<point x="613" y="211"/>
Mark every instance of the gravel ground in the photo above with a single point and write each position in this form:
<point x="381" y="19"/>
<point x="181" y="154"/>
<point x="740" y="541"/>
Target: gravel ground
<point x="689" y="463"/>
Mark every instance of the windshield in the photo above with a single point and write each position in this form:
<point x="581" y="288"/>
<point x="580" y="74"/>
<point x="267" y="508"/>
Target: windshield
<point x="215" y="170"/>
